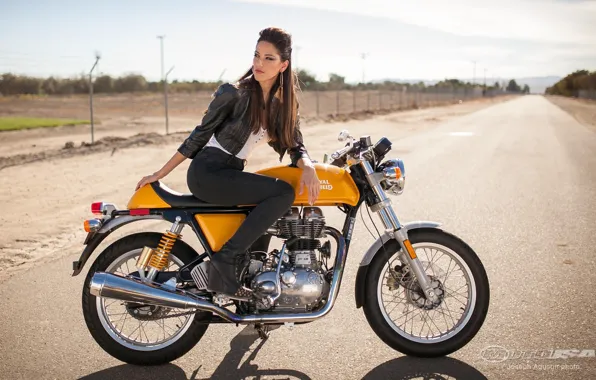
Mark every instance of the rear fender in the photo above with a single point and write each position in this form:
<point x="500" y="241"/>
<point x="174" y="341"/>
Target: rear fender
<point x="372" y="251"/>
<point x="95" y="238"/>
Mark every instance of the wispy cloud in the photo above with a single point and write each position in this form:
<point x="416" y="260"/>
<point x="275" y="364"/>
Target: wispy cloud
<point x="531" y="20"/>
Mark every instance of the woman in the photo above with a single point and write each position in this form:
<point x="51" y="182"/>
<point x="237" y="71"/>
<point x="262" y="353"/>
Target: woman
<point x="260" y="107"/>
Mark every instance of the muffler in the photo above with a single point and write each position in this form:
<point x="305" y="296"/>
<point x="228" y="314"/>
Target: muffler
<point x="109" y="285"/>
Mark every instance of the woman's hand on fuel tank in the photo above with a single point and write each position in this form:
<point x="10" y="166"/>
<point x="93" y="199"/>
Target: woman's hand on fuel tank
<point x="311" y="181"/>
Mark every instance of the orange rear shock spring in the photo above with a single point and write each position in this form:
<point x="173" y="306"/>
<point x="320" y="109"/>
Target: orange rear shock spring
<point x="159" y="259"/>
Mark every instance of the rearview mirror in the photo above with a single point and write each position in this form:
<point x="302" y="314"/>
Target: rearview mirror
<point x="343" y="135"/>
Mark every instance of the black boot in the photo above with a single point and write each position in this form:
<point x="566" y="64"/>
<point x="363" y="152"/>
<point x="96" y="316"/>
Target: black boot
<point x="223" y="276"/>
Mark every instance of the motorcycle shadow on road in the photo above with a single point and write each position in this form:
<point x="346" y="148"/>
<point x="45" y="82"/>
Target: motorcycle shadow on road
<point x="234" y="366"/>
<point x="407" y="367"/>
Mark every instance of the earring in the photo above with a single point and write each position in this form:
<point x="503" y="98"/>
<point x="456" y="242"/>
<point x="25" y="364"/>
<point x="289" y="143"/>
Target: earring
<point x="281" y="80"/>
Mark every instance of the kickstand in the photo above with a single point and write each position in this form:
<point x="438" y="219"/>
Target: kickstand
<point x="263" y="331"/>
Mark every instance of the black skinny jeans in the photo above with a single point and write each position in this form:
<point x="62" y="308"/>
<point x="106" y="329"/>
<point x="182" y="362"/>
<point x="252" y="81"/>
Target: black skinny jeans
<point x="217" y="177"/>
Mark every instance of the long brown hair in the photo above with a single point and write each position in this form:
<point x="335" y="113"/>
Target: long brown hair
<point x="282" y="41"/>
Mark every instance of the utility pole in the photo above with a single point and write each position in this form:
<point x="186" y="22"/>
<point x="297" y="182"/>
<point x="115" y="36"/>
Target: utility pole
<point x="363" y="56"/>
<point x="297" y="48"/>
<point x="485" y="77"/>
<point x="221" y="76"/>
<point x="165" y="95"/>
<point x="161" y="45"/>
<point x="97" y="57"/>
<point x="163" y="81"/>
<point x="474" y="76"/>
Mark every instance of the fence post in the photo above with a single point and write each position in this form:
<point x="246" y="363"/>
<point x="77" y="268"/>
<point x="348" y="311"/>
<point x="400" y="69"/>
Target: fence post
<point x="165" y="95"/>
<point x="91" y="103"/>
<point x="354" y="100"/>
<point x="418" y="101"/>
<point x="367" y="100"/>
<point x="317" y="92"/>
<point x="91" y="97"/>
<point x="337" y="101"/>
<point x="401" y="97"/>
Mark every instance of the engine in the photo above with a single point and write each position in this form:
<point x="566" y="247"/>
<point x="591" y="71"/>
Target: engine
<point x="295" y="279"/>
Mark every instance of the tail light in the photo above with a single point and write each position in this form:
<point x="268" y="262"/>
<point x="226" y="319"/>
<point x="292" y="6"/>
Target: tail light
<point x="97" y="208"/>
<point x="103" y="208"/>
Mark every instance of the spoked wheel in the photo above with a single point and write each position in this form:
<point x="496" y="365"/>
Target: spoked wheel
<point x="404" y="318"/>
<point x="138" y="333"/>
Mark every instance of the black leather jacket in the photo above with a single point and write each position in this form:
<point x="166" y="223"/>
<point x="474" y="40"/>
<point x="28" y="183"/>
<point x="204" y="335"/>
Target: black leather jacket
<point x="228" y="117"/>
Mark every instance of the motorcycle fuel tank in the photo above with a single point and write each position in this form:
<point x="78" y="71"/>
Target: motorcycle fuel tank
<point x="336" y="184"/>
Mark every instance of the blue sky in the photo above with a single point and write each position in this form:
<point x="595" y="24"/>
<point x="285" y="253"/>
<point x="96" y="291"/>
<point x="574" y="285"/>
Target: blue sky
<point x="428" y="39"/>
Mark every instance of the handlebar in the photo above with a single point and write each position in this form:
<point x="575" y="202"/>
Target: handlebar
<point x="342" y="152"/>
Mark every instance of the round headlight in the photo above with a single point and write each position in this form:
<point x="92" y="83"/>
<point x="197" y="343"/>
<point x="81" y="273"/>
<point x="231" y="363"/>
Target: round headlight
<point x="394" y="173"/>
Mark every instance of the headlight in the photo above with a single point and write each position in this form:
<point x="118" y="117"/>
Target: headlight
<point x="394" y="174"/>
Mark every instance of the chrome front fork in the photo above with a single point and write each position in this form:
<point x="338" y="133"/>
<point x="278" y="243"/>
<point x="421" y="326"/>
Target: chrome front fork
<point x="387" y="214"/>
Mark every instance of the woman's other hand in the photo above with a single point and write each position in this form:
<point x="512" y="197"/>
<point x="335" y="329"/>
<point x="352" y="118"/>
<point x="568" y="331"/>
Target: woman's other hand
<point x="147" y="179"/>
<point x="311" y="181"/>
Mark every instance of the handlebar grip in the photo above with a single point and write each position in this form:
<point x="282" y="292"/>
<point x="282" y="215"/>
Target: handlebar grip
<point x="337" y="154"/>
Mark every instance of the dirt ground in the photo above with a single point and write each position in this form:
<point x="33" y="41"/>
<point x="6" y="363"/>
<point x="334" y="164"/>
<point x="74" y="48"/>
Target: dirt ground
<point x="582" y="109"/>
<point x="47" y="189"/>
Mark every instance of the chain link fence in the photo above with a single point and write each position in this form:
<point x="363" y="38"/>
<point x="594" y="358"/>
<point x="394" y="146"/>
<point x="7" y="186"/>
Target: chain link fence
<point x="138" y="106"/>
<point x="587" y="94"/>
<point x="321" y="103"/>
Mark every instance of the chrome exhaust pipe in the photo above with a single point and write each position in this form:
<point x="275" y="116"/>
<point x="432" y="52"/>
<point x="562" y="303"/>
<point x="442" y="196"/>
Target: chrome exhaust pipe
<point x="109" y="285"/>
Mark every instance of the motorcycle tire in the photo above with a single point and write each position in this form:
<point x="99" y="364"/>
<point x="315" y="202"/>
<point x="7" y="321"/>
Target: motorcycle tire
<point x="118" y="347"/>
<point x="397" y="339"/>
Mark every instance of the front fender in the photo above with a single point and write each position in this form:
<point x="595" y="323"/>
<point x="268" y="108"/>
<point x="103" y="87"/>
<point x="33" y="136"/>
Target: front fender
<point x="372" y="251"/>
<point x="93" y="240"/>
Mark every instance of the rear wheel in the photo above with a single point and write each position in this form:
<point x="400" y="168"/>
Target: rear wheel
<point x="400" y="314"/>
<point x="135" y="333"/>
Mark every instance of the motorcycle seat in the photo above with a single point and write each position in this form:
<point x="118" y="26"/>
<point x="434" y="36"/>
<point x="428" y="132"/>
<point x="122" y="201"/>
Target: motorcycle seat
<point x="176" y="199"/>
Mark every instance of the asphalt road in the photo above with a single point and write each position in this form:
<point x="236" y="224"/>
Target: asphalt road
<point x="516" y="180"/>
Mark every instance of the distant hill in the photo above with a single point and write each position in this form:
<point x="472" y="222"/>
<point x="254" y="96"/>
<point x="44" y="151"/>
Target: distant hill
<point x="537" y="84"/>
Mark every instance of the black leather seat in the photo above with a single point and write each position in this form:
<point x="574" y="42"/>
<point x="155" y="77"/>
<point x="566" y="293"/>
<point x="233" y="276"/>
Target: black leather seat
<point x="176" y="199"/>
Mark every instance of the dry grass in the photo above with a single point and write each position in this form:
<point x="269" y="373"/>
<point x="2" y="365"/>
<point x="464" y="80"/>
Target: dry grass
<point x="18" y="123"/>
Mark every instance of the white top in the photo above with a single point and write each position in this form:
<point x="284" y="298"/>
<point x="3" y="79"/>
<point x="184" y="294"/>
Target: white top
<point x="253" y="141"/>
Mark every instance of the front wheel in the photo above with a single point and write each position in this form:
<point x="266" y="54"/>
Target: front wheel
<point x="400" y="314"/>
<point x="136" y="333"/>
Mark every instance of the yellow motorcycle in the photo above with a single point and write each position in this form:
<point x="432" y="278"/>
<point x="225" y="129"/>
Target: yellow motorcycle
<point x="423" y="290"/>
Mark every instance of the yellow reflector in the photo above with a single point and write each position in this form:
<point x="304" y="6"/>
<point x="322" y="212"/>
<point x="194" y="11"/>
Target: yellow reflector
<point x="410" y="249"/>
<point x="397" y="172"/>
<point x="86" y="226"/>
